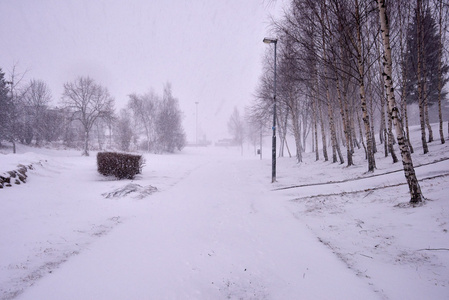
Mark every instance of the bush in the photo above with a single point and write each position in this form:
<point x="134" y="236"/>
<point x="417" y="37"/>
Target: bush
<point x="119" y="165"/>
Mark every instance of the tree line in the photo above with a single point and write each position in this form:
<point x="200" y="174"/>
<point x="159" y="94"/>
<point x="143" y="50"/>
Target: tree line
<point x="86" y="117"/>
<point x="349" y="71"/>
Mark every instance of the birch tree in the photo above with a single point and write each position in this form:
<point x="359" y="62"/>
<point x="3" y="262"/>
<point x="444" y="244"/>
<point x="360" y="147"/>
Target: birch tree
<point x="145" y="109"/>
<point x="413" y="184"/>
<point x="419" y="73"/>
<point x="363" y="101"/>
<point x="403" y="9"/>
<point x="442" y="26"/>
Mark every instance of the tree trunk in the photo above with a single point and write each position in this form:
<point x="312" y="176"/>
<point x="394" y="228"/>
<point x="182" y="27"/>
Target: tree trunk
<point x="315" y="124"/>
<point x="368" y="91"/>
<point x="383" y="129"/>
<point x="345" y="119"/>
<point x="330" y="110"/>
<point x="323" y="132"/>
<point x="426" y="113"/>
<point x="389" y="141"/>
<point x="371" y="115"/>
<point x="391" y="136"/>
<point x="86" y="143"/>
<point x="313" y="137"/>
<point x="426" y="102"/>
<point x="414" y="188"/>
<point x="342" y="97"/>
<point x="404" y="111"/>
<point x="420" y="81"/>
<point x="404" y="63"/>
<point x="330" y="113"/>
<point x="282" y="125"/>
<point x="364" y="107"/>
<point x="361" y="135"/>
<point x="355" y="142"/>
<point x="340" y="155"/>
<point x="303" y="125"/>
<point x="382" y="123"/>
<point x="297" y="134"/>
<point x="288" y="148"/>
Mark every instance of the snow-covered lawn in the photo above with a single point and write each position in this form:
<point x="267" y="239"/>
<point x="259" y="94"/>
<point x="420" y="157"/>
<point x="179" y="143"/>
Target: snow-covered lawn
<point x="216" y="228"/>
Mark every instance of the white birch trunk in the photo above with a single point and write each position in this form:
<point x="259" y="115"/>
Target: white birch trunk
<point x="420" y="81"/>
<point x="414" y="188"/>
<point x="364" y="106"/>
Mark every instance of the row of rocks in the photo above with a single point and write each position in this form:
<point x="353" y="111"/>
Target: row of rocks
<point x="17" y="176"/>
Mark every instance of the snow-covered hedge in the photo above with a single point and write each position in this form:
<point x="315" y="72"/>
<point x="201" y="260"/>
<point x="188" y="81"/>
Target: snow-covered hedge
<point x="119" y="165"/>
<point x="14" y="177"/>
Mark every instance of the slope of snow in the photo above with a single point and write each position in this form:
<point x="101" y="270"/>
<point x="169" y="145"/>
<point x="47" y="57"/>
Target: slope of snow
<point x="216" y="228"/>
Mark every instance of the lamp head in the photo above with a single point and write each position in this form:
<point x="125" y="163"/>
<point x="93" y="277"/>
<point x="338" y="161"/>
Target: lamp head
<point x="270" y="41"/>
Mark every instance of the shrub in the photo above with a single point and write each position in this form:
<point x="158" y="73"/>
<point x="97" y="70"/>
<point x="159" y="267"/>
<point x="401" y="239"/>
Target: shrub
<point x="119" y="165"/>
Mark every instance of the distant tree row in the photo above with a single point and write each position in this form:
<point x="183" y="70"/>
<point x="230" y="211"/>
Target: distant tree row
<point x="237" y="127"/>
<point x="86" y="117"/>
<point x="157" y="118"/>
<point x="333" y="83"/>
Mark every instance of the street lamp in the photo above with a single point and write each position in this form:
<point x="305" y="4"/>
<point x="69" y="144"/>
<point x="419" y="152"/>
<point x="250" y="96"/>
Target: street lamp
<point x="273" y="143"/>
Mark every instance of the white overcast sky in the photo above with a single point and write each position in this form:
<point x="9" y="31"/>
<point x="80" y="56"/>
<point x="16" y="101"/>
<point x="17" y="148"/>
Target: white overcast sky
<point x="210" y="50"/>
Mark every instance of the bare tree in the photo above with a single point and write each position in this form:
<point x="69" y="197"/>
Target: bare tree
<point x="12" y="121"/>
<point x="36" y="98"/>
<point x="87" y="102"/>
<point x="144" y="109"/>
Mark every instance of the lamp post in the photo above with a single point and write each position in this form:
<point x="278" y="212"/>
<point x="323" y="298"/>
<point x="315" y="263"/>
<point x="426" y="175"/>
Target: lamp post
<point x="196" y="130"/>
<point x="273" y="143"/>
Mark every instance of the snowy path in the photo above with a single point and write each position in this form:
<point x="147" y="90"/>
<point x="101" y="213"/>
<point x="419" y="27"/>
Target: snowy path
<point x="219" y="233"/>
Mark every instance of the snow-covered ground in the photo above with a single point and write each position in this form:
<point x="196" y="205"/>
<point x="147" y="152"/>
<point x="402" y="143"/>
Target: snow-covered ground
<point x="216" y="228"/>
